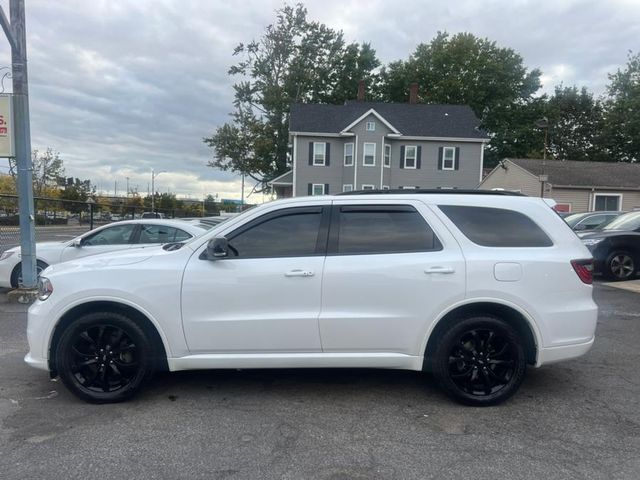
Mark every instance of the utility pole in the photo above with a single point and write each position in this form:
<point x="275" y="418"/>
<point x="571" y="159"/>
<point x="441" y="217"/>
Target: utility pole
<point x="153" y="188"/>
<point x="15" y="32"/>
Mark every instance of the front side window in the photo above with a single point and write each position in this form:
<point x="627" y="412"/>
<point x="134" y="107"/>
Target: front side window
<point x="371" y="126"/>
<point x="410" y="154"/>
<point x="319" y="153"/>
<point x="387" y="156"/>
<point x="116" y="235"/>
<point x="348" y="154"/>
<point x="161" y="234"/>
<point x="383" y="229"/>
<point x="318" y="189"/>
<point x="293" y="234"/>
<point x="448" y="158"/>
<point x="606" y="203"/>
<point x="496" y="227"/>
<point x="369" y="155"/>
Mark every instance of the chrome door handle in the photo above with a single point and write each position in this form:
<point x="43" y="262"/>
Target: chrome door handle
<point x="439" y="269"/>
<point x="299" y="273"/>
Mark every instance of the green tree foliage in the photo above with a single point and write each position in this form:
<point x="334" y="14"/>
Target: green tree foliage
<point x="295" y="60"/>
<point x="622" y="112"/>
<point x="76" y="192"/>
<point x="48" y="170"/>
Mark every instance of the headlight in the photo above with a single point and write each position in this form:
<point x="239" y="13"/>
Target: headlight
<point x="45" y="288"/>
<point x="6" y="255"/>
<point x="590" y="242"/>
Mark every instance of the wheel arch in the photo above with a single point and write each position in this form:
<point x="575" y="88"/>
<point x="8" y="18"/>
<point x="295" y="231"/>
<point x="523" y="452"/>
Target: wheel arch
<point x="511" y="314"/>
<point x="140" y="318"/>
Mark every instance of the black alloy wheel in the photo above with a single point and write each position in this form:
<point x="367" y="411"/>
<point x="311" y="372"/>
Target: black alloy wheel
<point x="620" y="266"/>
<point x="480" y="361"/>
<point x="104" y="357"/>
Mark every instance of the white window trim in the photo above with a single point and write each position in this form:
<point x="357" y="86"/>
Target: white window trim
<point x="344" y="187"/>
<point x="415" y="158"/>
<point x="373" y="126"/>
<point x="367" y="186"/>
<point x="364" y="151"/>
<point x="313" y="189"/>
<point x="324" y="154"/>
<point x="384" y="158"/>
<point x="352" y="154"/>
<point x="595" y="195"/>
<point x="453" y="159"/>
<point x="385" y="187"/>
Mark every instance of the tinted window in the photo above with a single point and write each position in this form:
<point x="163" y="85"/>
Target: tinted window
<point x="161" y="234"/>
<point x="387" y="229"/>
<point x="628" y="221"/>
<point x="496" y="227"/>
<point x="289" y="235"/>
<point x="117" y="235"/>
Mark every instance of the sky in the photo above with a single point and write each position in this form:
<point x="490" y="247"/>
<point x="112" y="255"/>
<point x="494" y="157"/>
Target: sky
<point x="121" y="87"/>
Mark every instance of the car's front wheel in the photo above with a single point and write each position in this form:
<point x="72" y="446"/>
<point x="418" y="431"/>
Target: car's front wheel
<point x="480" y="361"/>
<point x="16" y="275"/>
<point x="104" y="357"/>
<point x="620" y="266"/>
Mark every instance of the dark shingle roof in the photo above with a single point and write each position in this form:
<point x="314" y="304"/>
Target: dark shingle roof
<point x="583" y="173"/>
<point x="421" y="120"/>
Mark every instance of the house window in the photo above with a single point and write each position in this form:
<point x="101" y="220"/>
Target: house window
<point x="385" y="187"/>
<point x="367" y="187"/>
<point x="407" y="187"/>
<point x="318" y="189"/>
<point x="410" y="154"/>
<point x="449" y="158"/>
<point x="387" y="156"/>
<point x="369" y="155"/>
<point x="319" y="153"/>
<point x="371" y="126"/>
<point x="347" y="187"/>
<point x="348" y="154"/>
<point x="607" y="202"/>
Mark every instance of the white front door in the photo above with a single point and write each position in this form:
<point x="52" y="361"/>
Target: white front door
<point x="265" y="296"/>
<point x="112" y="238"/>
<point x="387" y="275"/>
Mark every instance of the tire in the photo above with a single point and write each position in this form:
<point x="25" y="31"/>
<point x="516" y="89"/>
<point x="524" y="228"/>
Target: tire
<point x="620" y="265"/>
<point x="104" y="357"/>
<point x="16" y="275"/>
<point x="480" y="361"/>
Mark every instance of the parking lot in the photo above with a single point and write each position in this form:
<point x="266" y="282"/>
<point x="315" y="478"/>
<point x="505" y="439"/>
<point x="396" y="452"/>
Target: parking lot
<point x="579" y="419"/>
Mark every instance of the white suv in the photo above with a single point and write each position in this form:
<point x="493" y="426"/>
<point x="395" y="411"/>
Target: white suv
<point x="472" y="287"/>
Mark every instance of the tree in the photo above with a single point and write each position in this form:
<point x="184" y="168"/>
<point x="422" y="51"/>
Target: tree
<point x="465" y="69"/>
<point x="48" y="170"/>
<point x="622" y="112"/>
<point x="296" y="60"/>
<point x="76" y="192"/>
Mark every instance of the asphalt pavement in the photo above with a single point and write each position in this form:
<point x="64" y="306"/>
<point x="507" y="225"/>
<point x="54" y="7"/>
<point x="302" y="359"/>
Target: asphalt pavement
<point x="573" y="420"/>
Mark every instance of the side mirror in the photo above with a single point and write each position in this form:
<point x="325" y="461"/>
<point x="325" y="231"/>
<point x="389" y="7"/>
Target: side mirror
<point x="217" y="248"/>
<point x="77" y="243"/>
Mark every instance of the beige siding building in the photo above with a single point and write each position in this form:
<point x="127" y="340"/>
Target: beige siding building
<point x="575" y="186"/>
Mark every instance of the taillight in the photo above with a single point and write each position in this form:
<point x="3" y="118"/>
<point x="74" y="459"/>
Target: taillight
<point x="584" y="269"/>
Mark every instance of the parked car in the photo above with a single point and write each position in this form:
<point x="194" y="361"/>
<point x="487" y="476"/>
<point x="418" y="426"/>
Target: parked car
<point x="591" y="220"/>
<point x="152" y="215"/>
<point x="616" y="248"/>
<point x="109" y="238"/>
<point x="472" y="287"/>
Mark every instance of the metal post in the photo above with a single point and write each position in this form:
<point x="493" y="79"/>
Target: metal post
<point x="16" y="35"/>
<point x="153" y="191"/>
<point x="91" y="216"/>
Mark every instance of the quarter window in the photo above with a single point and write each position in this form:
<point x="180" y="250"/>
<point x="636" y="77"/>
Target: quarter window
<point x="319" y="153"/>
<point x="116" y="235"/>
<point x="410" y="154"/>
<point x="387" y="155"/>
<point x="383" y="229"/>
<point x="369" y="155"/>
<point x="289" y="235"/>
<point x="496" y="227"/>
<point x="348" y="154"/>
<point x="448" y="158"/>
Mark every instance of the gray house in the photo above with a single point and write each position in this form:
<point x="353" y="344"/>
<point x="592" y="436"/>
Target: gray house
<point x="363" y="145"/>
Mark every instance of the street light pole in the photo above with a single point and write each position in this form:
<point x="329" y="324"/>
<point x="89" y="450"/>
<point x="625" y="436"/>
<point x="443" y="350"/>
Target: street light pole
<point x="16" y="36"/>
<point x="153" y="188"/>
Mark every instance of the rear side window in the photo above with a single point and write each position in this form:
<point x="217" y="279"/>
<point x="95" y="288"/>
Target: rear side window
<point x="496" y="227"/>
<point x="385" y="229"/>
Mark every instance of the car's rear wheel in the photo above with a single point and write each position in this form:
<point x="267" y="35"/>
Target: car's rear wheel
<point x="16" y="275"/>
<point x="104" y="357"/>
<point x="620" y="266"/>
<point x="480" y="361"/>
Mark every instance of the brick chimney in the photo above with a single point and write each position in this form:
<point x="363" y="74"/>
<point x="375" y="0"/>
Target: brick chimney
<point x="360" y="96"/>
<point x="413" y="93"/>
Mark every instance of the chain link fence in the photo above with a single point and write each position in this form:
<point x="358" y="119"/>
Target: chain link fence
<point x="57" y="220"/>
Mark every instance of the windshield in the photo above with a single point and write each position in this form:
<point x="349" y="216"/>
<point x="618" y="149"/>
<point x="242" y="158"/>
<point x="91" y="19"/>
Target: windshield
<point x="628" y="221"/>
<point x="574" y="218"/>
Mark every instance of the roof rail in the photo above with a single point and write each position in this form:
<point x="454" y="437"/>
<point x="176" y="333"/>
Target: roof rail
<point x="433" y="191"/>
